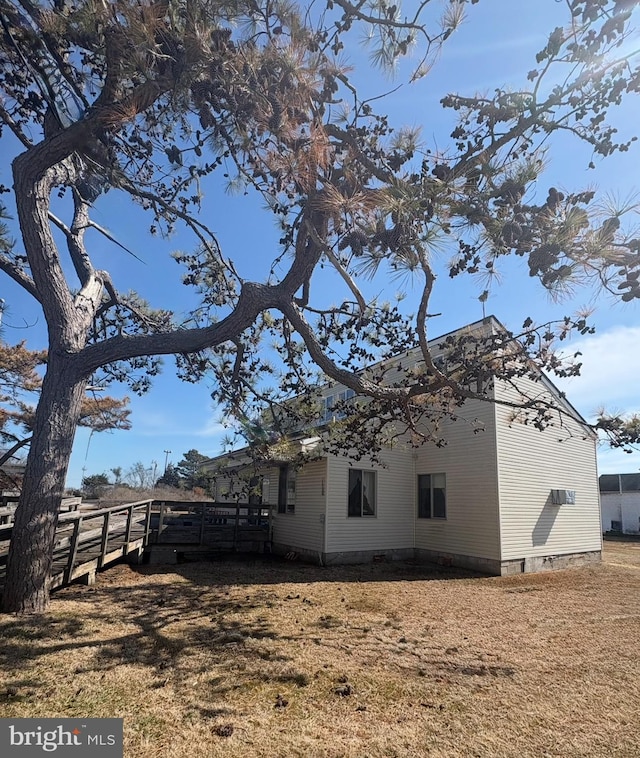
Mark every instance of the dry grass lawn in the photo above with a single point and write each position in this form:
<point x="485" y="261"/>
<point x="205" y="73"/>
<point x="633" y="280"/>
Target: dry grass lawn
<point x="254" y="659"/>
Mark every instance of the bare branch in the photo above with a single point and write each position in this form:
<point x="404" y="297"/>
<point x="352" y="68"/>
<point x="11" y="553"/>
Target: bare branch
<point x="19" y="276"/>
<point x="8" y="454"/>
<point x="6" y="118"/>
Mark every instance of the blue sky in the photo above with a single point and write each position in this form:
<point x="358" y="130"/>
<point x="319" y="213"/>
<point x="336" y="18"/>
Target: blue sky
<point x="496" y="46"/>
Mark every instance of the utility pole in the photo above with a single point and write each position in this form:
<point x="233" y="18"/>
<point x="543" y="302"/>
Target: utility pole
<point x="166" y="459"/>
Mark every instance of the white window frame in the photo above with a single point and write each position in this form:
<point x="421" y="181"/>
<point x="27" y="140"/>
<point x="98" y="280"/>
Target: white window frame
<point x="328" y="414"/>
<point x="440" y="484"/>
<point x="368" y="496"/>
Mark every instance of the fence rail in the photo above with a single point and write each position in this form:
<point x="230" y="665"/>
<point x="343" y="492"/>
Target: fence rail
<point x="86" y="541"/>
<point x="89" y="540"/>
<point x="9" y="503"/>
<point x="226" y="525"/>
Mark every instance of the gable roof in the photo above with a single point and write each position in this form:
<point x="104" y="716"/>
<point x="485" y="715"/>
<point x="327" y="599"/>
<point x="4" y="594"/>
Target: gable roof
<point x="489" y="324"/>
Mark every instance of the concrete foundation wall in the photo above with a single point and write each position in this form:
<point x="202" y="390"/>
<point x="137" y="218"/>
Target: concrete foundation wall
<point x="297" y="553"/>
<point x="483" y="565"/>
<point x="554" y="562"/>
<point x="513" y="566"/>
<point x="368" y="556"/>
<point x="344" y="557"/>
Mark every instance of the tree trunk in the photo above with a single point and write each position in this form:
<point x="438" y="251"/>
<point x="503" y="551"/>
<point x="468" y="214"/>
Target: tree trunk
<point x="31" y="551"/>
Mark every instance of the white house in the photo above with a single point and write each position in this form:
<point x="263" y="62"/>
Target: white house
<point x="620" y="503"/>
<point x="509" y="499"/>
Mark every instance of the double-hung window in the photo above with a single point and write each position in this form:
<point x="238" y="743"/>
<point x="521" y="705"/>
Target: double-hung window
<point x="432" y="496"/>
<point x="362" y="493"/>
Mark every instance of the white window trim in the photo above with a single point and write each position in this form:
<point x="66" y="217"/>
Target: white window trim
<point x="374" y="474"/>
<point x="431" y="517"/>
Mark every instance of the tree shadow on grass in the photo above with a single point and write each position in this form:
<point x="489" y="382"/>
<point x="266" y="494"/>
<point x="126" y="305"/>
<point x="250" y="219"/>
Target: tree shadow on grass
<point x="208" y="622"/>
<point x="174" y="631"/>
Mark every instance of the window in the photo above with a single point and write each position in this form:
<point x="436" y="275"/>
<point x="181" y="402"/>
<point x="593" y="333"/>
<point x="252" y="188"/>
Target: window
<point x="287" y="490"/>
<point x="362" y="493"/>
<point x="328" y="414"/>
<point x="432" y="496"/>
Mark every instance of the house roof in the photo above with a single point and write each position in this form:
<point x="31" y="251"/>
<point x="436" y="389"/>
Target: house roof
<point x="492" y="324"/>
<point x="241" y="458"/>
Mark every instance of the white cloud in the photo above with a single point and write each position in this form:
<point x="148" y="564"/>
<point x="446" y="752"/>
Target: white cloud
<point x="211" y="428"/>
<point x="610" y="372"/>
<point x="610" y="379"/>
<point x="159" y="423"/>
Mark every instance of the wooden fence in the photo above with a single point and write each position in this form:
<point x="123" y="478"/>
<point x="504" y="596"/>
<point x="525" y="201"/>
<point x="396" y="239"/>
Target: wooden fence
<point x="9" y="503"/>
<point x="88" y="540"/>
<point x="223" y="526"/>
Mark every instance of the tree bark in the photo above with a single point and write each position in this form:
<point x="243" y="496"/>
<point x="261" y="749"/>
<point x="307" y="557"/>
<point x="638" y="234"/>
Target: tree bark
<point x="30" y="558"/>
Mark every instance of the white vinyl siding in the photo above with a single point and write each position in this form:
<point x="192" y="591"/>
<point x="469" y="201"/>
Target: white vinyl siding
<point x="392" y="526"/>
<point x="303" y="529"/>
<point x="531" y="464"/>
<point x="230" y="489"/>
<point x="468" y="461"/>
<point x="498" y="477"/>
<point x="270" y="487"/>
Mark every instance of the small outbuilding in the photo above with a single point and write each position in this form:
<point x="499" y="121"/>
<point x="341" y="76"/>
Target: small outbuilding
<point x="620" y="503"/>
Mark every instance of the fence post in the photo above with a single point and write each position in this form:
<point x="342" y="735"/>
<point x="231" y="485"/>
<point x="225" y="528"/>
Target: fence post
<point x="235" y="528"/>
<point x="105" y="539"/>
<point x="147" y="522"/>
<point x="127" y="534"/>
<point x="161" y="519"/>
<point x="203" y="513"/>
<point x="73" y="550"/>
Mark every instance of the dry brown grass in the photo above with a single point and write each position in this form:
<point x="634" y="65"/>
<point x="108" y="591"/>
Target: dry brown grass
<point x="273" y="659"/>
<point x="117" y="495"/>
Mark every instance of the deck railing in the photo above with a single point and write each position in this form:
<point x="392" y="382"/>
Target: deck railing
<point x="88" y="540"/>
<point x="9" y="503"/>
<point x="207" y="521"/>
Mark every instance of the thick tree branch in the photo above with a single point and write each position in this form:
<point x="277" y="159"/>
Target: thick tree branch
<point x="358" y="383"/>
<point x="74" y="236"/>
<point x="253" y="299"/>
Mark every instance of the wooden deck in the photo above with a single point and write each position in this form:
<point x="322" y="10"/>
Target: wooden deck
<point x="89" y="540"/>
